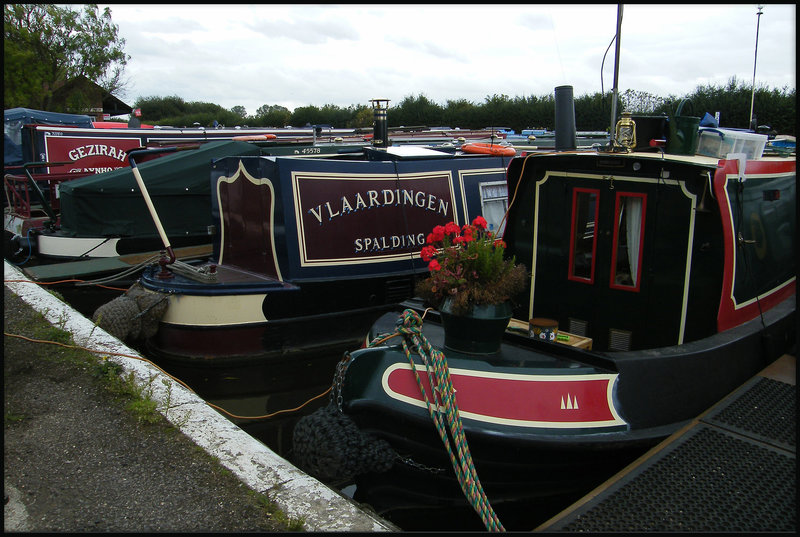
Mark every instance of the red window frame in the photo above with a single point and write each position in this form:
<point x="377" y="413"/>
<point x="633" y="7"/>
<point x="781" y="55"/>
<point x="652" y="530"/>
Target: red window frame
<point x="615" y="247"/>
<point x="571" y="270"/>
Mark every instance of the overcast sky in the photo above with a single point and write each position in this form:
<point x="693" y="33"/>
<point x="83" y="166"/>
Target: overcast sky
<point x="309" y="54"/>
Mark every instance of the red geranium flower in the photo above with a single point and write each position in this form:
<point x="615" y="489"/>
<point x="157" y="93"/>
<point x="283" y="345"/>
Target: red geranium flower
<point x="480" y="222"/>
<point x="468" y="265"/>
<point x="451" y="228"/>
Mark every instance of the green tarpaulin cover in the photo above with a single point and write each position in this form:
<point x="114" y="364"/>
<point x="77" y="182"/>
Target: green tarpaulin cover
<point x="111" y="204"/>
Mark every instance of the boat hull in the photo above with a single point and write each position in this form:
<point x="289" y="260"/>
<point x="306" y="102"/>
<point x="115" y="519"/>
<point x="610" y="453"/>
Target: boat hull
<point x="573" y="437"/>
<point x="236" y="336"/>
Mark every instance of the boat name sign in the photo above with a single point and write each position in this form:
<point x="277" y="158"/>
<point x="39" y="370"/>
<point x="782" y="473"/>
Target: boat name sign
<point x="378" y="223"/>
<point x="93" y="157"/>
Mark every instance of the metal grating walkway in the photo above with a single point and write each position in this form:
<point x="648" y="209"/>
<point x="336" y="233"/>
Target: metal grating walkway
<point x="733" y="470"/>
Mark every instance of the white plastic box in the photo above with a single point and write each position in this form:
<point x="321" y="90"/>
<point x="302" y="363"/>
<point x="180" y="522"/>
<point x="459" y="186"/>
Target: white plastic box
<point x="718" y="143"/>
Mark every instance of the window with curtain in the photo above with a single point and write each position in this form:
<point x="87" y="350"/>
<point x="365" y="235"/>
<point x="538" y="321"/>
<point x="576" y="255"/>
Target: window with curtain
<point x="494" y="204"/>
<point x="583" y="237"/>
<point x="628" y="238"/>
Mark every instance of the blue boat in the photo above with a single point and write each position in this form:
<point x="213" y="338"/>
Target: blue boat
<point x="307" y="253"/>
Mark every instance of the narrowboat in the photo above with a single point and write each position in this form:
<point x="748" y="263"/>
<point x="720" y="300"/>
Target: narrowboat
<point x="307" y="253"/>
<point x="659" y="283"/>
<point x="104" y="215"/>
<point x="83" y="146"/>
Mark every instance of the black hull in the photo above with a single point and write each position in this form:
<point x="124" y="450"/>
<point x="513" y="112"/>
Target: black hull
<point x="519" y="466"/>
<point x="275" y="356"/>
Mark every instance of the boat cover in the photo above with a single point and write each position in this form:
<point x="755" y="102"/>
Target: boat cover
<point x="111" y="204"/>
<point x="15" y="118"/>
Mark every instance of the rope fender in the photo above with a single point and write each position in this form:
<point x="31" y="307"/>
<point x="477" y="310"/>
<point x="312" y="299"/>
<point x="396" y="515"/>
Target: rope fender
<point x="328" y="444"/>
<point x="133" y="315"/>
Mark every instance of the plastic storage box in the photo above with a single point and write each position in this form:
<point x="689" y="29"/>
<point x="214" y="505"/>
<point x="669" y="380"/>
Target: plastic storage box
<point x="718" y="143"/>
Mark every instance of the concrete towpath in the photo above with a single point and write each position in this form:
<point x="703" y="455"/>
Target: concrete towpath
<point x="75" y="460"/>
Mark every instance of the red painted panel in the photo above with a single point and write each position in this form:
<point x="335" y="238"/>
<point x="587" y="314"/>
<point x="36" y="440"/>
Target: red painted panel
<point x="89" y="155"/>
<point x="533" y="399"/>
<point x="363" y="217"/>
<point x="247" y="212"/>
<point x="731" y="314"/>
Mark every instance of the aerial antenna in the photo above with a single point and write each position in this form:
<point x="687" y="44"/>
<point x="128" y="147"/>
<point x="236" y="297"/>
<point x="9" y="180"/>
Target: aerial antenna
<point x="616" y="71"/>
<point x="755" y="59"/>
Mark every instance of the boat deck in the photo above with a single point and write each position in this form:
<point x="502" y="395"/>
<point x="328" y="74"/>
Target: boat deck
<point x="86" y="268"/>
<point x="732" y="469"/>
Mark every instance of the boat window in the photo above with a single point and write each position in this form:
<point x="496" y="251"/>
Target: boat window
<point x="583" y="238"/>
<point x="494" y="204"/>
<point x="626" y="261"/>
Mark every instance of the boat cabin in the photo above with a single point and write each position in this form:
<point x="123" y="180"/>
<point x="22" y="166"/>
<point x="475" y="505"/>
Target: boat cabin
<point x="646" y="250"/>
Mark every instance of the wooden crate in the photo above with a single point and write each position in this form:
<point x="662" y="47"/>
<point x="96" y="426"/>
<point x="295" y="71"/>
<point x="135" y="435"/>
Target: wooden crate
<point x="581" y="342"/>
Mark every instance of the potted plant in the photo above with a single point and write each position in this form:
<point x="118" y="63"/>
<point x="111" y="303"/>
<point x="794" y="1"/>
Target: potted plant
<point x="471" y="283"/>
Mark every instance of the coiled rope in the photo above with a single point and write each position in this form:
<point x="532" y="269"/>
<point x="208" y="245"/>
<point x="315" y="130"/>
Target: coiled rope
<point x="445" y="414"/>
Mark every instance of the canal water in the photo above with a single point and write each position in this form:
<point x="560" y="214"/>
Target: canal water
<point x="285" y="407"/>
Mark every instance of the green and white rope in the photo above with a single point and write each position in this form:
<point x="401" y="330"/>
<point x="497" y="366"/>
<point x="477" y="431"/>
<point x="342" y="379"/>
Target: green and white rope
<point x="443" y="409"/>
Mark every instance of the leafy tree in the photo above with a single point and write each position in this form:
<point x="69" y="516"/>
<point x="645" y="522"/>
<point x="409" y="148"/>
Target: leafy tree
<point x="176" y="112"/>
<point x="776" y="107"/>
<point x="239" y="111"/>
<point x="363" y="117"/>
<point x="414" y="111"/>
<point x="641" y="102"/>
<point x="460" y="113"/>
<point x="47" y="45"/>
<point x="306" y="115"/>
<point x="272" y="115"/>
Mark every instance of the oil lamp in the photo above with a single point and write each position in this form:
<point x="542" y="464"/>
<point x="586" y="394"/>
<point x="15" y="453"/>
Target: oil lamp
<point x="625" y="134"/>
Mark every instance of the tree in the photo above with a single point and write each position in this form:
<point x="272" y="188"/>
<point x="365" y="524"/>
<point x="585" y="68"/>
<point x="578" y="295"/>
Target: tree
<point x="272" y="115"/>
<point x="413" y="111"/>
<point x="47" y="45"/>
<point x="239" y="111"/>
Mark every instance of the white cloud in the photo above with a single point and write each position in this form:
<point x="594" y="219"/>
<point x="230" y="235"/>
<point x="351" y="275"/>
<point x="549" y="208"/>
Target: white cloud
<point x="296" y="55"/>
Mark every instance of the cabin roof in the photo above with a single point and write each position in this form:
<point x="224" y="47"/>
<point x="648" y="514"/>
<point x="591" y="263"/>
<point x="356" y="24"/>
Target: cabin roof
<point x="649" y="155"/>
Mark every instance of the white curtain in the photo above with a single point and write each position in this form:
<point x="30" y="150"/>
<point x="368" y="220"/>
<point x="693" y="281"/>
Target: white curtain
<point x="633" y="223"/>
<point x="494" y="202"/>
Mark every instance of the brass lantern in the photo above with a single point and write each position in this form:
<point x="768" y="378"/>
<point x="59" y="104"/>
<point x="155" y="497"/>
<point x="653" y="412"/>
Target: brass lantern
<point x="625" y="134"/>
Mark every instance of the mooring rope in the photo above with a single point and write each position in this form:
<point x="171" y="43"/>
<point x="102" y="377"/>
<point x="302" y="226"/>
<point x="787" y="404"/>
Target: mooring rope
<point x="445" y="414"/>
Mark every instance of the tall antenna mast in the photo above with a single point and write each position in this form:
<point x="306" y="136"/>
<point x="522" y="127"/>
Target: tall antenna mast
<point x="616" y="71"/>
<point x="753" y="95"/>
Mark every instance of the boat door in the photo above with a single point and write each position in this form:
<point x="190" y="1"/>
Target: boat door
<point x="611" y="257"/>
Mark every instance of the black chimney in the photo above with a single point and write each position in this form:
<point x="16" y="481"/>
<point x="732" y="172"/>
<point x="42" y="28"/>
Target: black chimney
<point x="380" y="127"/>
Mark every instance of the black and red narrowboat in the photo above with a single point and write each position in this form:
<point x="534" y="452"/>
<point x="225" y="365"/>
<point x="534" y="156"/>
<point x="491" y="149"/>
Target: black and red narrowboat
<point x="671" y="280"/>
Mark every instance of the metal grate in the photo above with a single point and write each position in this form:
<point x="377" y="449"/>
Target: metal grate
<point x="710" y="481"/>
<point x="734" y="471"/>
<point x="766" y="410"/>
<point x="398" y="290"/>
<point x="578" y="327"/>
<point x="619" y="340"/>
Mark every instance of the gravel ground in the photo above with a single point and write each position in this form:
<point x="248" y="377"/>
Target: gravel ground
<point x="75" y="460"/>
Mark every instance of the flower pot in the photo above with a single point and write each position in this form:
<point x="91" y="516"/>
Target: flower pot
<point x="478" y="332"/>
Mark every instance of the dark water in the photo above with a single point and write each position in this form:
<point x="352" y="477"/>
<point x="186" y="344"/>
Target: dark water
<point x="276" y="432"/>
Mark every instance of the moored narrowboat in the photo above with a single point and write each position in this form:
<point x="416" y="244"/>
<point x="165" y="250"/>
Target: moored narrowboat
<point x="670" y="281"/>
<point x="308" y="253"/>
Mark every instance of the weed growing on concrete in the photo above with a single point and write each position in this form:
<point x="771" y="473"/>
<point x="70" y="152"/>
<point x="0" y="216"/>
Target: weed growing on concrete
<point x="140" y="403"/>
<point x="277" y="514"/>
<point x="55" y="294"/>
<point x="168" y="405"/>
<point x="12" y="417"/>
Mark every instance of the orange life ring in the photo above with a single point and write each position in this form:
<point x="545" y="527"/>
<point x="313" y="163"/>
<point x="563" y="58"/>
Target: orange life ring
<point x="489" y="149"/>
<point x="254" y="137"/>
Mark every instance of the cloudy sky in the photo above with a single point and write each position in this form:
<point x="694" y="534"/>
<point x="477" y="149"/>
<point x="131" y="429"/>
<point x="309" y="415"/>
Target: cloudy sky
<point x="308" y="54"/>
